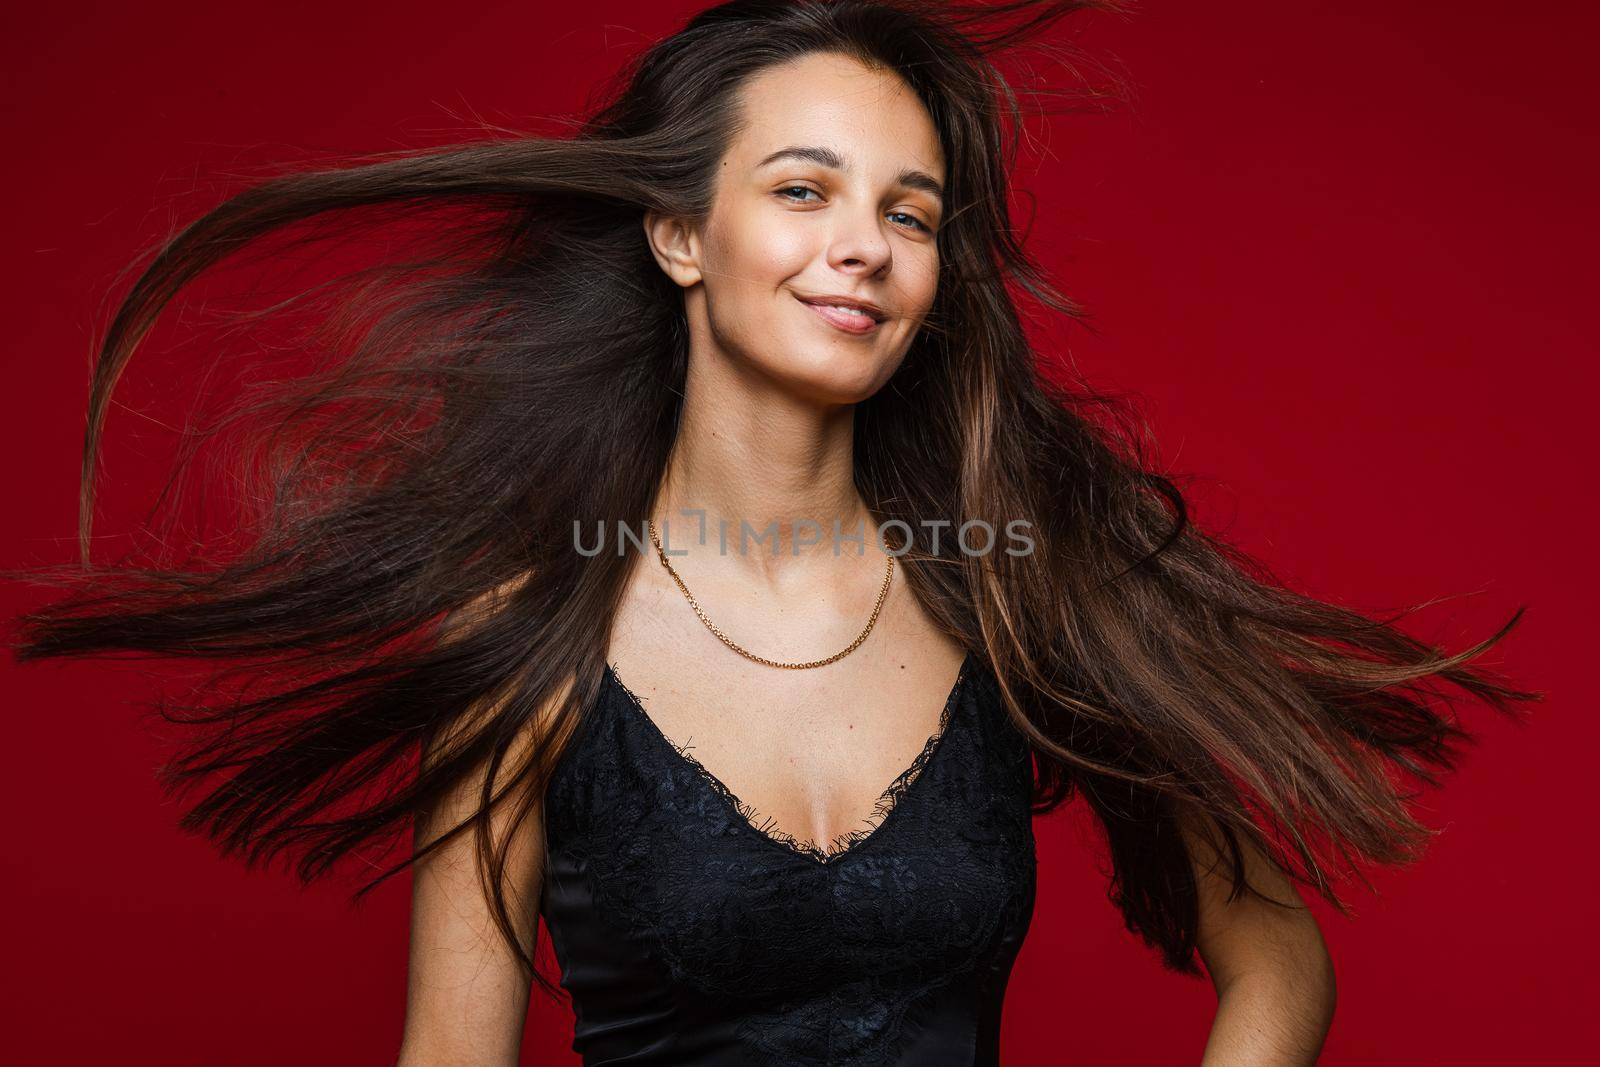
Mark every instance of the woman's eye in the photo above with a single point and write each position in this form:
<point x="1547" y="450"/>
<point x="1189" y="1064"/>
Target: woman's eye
<point x="916" y="222"/>
<point x="796" y="194"/>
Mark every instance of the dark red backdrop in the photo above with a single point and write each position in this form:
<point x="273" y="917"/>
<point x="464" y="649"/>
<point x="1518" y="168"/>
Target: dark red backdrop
<point x="1341" y="250"/>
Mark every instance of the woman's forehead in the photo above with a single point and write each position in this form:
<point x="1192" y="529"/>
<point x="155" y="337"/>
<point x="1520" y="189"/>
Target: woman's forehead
<point x="866" y="118"/>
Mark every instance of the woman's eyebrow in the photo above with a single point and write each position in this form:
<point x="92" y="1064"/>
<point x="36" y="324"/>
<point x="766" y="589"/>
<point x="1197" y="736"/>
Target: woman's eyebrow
<point x="910" y="178"/>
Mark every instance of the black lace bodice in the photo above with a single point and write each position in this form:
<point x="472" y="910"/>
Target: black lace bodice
<point x="689" y="931"/>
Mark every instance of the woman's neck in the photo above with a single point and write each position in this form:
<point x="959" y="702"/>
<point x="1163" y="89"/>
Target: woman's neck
<point x="746" y="483"/>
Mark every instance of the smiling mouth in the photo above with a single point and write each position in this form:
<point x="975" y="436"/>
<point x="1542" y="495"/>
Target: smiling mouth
<point x="849" y="320"/>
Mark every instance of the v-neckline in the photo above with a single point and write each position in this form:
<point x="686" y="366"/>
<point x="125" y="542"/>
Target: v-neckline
<point x="888" y="802"/>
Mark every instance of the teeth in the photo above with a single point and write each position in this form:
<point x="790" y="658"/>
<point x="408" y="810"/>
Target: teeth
<point x="853" y="311"/>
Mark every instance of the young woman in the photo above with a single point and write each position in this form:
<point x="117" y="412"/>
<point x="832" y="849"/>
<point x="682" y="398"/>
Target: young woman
<point x="773" y="802"/>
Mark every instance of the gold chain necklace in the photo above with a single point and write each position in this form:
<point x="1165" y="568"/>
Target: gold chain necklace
<point x="888" y="573"/>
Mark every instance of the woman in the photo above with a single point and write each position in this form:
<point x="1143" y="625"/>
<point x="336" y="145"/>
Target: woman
<point x="767" y="285"/>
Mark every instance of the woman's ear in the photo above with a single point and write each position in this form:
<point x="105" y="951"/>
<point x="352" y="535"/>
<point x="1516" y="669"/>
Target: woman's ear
<point x="676" y="247"/>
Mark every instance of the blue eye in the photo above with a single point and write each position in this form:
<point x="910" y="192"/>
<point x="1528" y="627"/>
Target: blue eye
<point x="915" y="222"/>
<point x="918" y="223"/>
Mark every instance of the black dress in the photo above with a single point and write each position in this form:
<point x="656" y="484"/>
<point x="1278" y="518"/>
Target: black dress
<point x="688" y="933"/>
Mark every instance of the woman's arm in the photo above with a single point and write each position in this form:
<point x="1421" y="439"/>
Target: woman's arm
<point x="1272" y="972"/>
<point x="466" y="992"/>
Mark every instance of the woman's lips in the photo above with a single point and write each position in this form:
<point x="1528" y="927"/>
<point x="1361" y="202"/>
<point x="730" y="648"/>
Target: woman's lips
<point x="848" y="321"/>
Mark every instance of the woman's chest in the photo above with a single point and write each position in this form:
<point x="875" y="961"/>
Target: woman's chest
<point x="652" y="847"/>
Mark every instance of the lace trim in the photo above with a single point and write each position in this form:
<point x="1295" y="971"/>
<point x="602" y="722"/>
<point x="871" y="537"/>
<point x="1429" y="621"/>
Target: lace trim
<point x="844" y="843"/>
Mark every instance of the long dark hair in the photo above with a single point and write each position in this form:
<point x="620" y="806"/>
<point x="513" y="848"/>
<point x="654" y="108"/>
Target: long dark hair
<point x="410" y="591"/>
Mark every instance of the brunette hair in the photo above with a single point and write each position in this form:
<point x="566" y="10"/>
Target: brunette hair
<point x="408" y="613"/>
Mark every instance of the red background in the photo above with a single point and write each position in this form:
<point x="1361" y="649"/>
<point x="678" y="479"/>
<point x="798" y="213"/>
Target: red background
<point x="1340" y="251"/>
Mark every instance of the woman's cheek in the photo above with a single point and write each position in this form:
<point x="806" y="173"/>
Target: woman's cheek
<point x="778" y="253"/>
<point x="755" y="254"/>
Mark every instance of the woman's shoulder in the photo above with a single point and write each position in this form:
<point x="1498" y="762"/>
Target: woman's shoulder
<point x="481" y="607"/>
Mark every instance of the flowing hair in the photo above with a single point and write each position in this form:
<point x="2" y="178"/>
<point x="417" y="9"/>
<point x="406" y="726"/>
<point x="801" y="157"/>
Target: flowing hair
<point x="407" y="613"/>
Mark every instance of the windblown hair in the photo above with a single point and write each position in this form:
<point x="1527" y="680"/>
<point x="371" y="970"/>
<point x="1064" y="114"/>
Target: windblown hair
<point x="409" y="587"/>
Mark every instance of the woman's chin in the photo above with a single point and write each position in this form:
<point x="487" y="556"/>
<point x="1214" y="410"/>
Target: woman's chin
<point x="834" y="380"/>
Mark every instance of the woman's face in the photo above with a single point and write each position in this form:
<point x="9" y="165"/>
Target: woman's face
<point x="830" y="190"/>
